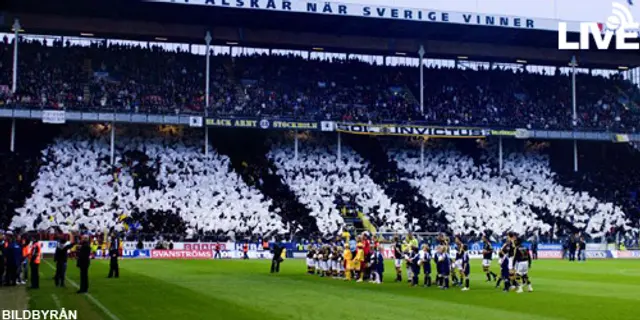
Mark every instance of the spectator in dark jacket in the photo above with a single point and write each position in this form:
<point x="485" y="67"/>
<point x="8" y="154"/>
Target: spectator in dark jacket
<point x="14" y="258"/>
<point x="60" y="257"/>
<point x="277" y="258"/>
<point x="84" y="259"/>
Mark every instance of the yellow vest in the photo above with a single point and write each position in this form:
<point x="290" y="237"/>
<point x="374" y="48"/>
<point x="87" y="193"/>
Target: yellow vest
<point x="347" y="255"/>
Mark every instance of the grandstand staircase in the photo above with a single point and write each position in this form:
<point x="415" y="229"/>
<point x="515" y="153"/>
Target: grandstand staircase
<point x="247" y="151"/>
<point x="366" y="224"/>
<point x="231" y="68"/>
<point x="386" y="173"/>
<point x="409" y="96"/>
<point x="20" y="169"/>
<point x="470" y="148"/>
<point x="355" y="219"/>
<point x="632" y="102"/>
<point x="597" y="175"/>
<point x="88" y="69"/>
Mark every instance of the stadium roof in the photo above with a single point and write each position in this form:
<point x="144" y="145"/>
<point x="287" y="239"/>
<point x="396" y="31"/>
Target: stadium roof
<point x="180" y="23"/>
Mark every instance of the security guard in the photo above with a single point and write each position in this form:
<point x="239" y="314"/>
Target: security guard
<point x="35" y="257"/>
<point x="23" y="271"/>
<point x="113" y="254"/>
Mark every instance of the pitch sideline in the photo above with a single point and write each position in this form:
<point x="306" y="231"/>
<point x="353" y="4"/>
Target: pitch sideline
<point x="91" y="298"/>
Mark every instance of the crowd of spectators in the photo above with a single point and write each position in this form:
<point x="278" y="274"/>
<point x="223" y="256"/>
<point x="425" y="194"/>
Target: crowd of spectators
<point x="325" y="183"/>
<point x="526" y="198"/>
<point x="128" y="78"/>
<point x="162" y="184"/>
<point x="16" y="172"/>
<point x="608" y="172"/>
<point x="159" y="185"/>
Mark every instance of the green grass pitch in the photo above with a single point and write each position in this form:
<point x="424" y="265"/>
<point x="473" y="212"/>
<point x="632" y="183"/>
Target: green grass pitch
<point x="235" y="289"/>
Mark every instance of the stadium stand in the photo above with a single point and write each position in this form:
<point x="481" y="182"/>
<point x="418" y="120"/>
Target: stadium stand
<point x="608" y="173"/>
<point x="163" y="184"/>
<point x="323" y="182"/>
<point x="182" y="191"/>
<point x="422" y="214"/>
<point x="127" y="78"/>
<point x="525" y="198"/>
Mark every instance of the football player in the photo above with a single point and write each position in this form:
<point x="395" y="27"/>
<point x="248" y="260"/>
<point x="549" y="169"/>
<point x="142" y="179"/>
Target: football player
<point x="487" y="255"/>
<point x="523" y="263"/>
<point x="397" y="254"/>
<point x="425" y="261"/>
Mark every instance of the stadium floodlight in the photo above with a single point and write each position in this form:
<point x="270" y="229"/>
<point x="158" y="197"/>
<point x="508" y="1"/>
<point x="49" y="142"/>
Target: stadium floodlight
<point x="573" y="64"/>
<point x="14" y="78"/>
<point x="16" y="26"/>
<point x="574" y="122"/>
<point x="16" y="29"/>
<point x="421" y="53"/>
<point x="207" y="41"/>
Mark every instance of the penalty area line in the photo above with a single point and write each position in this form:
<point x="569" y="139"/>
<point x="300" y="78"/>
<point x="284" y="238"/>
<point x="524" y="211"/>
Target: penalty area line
<point x="89" y="296"/>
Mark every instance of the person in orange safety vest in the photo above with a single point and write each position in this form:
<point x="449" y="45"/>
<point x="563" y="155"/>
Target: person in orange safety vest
<point x="35" y="257"/>
<point x="23" y="272"/>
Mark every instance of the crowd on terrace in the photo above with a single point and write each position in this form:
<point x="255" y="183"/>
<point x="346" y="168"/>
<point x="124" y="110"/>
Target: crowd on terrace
<point x="127" y="78"/>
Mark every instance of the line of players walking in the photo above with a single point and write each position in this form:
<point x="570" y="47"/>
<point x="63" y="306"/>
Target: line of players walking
<point x="367" y="262"/>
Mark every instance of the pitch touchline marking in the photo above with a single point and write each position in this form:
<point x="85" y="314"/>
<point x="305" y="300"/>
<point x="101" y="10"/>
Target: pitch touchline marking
<point x="56" y="301"/>
<point x="628" y="272"/>
<point x="94" y="300"/>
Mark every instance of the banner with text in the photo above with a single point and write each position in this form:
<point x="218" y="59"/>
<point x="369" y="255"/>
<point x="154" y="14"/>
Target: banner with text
<point x="182" y="254"/>
<point x="139" y="254"/>
<point x="462" y="12"/>
<point x="131" y="245"/>
<point x="411" y="130"/>
<point x="237" y="254"/>
<point x="48" y="247"/>
<point x="263" y="124"/>
<point x="53" y="116"/>
<point x="550" y="254"/>
<point x="549" y="246"/>
<point x="629" y="254"/>
<point x="599" y="254"/>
